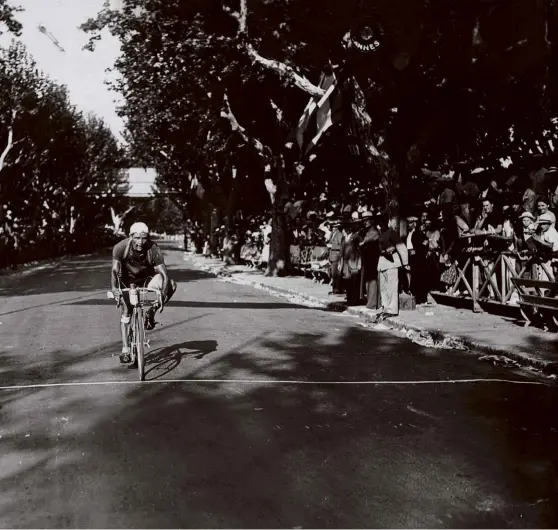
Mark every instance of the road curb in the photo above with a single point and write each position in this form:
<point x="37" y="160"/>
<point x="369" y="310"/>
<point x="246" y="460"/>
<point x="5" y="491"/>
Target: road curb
<point x="433" y="338"/>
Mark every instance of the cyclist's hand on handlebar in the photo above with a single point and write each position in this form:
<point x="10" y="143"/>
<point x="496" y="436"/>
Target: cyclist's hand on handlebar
<point x="117" y="296"/>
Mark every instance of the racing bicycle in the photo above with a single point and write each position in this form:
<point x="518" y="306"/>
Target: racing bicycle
<point x="138" y="300"/>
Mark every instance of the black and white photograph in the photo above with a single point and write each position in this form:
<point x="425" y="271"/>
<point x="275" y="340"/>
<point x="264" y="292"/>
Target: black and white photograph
<point x="278" y="264"/>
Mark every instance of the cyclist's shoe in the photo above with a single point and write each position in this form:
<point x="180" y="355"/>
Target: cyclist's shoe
<point x="125" y="356"/>
<point x="150" y="318"/>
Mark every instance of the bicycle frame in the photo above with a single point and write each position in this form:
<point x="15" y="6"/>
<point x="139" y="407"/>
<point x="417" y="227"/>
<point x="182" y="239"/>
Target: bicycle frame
<point x="137" y="325"/>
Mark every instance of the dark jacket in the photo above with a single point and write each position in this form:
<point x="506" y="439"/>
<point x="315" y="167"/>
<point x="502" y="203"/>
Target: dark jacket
<point x="351" y="258"/>
<point x="370" y="253"/>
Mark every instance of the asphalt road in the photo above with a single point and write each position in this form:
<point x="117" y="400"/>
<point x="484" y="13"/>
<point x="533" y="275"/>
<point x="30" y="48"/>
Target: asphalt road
<point x="234" y="427"/>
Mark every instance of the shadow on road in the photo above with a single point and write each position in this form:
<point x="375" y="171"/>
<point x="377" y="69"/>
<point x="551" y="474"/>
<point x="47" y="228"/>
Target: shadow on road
<point x="195" y="303"/>
<point x="79" y="275"/>
<point x="65" y="301"/>
<point x="164" y="360"/>
<point x="276" y="452"/>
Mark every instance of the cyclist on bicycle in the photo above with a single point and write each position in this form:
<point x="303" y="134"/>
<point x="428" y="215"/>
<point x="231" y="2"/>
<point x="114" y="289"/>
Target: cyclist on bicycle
<point x="140" y="261"/>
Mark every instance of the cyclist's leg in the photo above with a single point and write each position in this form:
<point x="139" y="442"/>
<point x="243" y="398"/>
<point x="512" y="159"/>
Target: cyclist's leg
<point x="125" y="318"/>
<point x="157" y="283"/>
<point x="149" y="315"/>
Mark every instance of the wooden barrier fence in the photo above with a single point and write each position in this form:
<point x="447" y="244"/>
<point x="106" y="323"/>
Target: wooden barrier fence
<point x="488" y="275"/>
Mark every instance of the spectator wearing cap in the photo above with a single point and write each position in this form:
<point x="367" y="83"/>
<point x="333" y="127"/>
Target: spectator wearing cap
<point x="411" y="227"/>
<point x="335" y="245"/>
<point x="528" y="225"/>
<point x="543" y="205"/>
<point x="546" y="239"/>
<point x="370" y="249"/>
<point x="546" y="234"/>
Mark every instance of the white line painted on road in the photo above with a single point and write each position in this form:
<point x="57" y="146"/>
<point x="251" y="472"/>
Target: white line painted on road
<point x="267" y="382"/>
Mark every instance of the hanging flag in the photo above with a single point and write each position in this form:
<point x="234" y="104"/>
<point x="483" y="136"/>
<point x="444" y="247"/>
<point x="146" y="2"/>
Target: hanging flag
<point x="319" y="114"/>
<point x="325" y="82"/>
<point x="329" y="111"/>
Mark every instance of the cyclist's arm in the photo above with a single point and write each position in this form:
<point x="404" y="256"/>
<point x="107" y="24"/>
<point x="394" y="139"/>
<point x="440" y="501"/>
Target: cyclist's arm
<point x="115" y="273"/>
<point x="162" y="270"/>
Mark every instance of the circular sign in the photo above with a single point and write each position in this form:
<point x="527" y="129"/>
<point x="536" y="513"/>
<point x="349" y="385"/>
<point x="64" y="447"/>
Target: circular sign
<point x="366" y="35"/>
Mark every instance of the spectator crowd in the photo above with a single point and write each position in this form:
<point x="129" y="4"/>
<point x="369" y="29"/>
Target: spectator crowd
<point x="373" y="258"/>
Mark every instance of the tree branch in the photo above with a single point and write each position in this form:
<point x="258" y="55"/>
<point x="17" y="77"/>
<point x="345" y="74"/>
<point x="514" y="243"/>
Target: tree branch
<point x="127" y="211"/>
<point x="286" y="71"/>
<point x="8" y="147"/>
<point x="241" y="16"/>
<point x="117" y="220"/>
<point x="278" y="67"/>
<point x="10" y="142"/>
<point x="227" y="113"/>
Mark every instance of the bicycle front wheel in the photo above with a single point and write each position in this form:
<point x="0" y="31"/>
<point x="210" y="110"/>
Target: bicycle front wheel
<point x="140" y="342"/>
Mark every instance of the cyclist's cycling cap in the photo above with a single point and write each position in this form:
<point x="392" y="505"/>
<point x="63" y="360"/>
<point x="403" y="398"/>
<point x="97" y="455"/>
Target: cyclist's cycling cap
<point x="139" y="228"/>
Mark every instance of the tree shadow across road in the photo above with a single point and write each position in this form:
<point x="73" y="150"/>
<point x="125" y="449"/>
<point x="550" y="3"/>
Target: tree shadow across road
<point x="284" y="450"/>
<point x="196" y="303"/>
<point x="79" y="275"/>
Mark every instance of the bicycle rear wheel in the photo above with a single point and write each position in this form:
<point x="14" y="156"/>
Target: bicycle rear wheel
<point x="139" y="332"/>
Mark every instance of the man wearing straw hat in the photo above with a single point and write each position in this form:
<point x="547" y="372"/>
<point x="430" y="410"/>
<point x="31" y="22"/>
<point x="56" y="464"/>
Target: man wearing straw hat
<point x="335" y="244"/>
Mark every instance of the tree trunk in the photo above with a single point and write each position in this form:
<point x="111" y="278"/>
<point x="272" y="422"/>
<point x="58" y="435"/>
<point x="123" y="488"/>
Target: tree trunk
<point x="377" y="158"/>
<point x="279" y="251"/>
<point x="231" y="203"/>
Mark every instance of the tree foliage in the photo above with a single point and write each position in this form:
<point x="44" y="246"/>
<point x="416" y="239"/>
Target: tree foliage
<point x="208" y="81"/>
<point x="60" y="171"/>
<point x="8" y="18"/>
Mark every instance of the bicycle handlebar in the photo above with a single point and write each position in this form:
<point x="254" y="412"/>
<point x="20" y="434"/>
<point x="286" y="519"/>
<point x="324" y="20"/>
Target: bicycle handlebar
<point x="150" y="289"/>
<point x="110" y="294"/>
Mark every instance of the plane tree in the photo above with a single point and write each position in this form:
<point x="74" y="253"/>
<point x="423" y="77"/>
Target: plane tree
<point x="432" y="82"/>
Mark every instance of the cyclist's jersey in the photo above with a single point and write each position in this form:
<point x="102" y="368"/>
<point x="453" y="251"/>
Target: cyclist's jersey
<point x="137" y="267"/>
